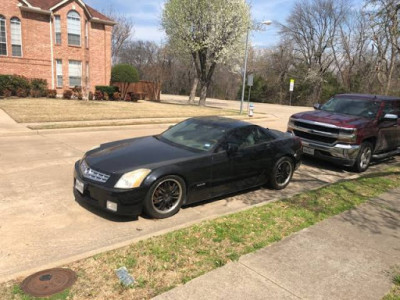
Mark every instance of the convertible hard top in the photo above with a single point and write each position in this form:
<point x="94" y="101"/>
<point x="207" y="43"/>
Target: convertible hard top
<point x="222" y="122"/>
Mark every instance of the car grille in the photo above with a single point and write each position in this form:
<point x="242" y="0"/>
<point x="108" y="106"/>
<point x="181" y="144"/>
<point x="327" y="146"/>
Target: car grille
<point x="94" y="175"/>
<point x="317" y="127"/>
<point x="314" y="137"/>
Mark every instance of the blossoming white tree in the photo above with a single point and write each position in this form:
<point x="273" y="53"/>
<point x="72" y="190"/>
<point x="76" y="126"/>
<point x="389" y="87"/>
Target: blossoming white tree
<point x="212" y="32"/>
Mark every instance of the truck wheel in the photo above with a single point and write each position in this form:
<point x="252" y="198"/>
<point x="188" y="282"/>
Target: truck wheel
<point x="363" y="157"/>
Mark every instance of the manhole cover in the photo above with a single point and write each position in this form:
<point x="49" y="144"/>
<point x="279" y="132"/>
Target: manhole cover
<point x="48" y="282"/>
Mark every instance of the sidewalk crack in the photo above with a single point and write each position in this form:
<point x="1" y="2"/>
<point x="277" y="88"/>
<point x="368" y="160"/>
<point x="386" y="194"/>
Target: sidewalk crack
<point x="290" y="292"/>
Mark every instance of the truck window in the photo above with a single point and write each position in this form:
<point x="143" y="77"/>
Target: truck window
<point x="351" y="106"/>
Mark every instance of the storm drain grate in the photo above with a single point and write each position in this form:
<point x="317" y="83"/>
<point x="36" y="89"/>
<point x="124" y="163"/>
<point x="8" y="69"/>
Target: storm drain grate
<point x="48" y="282"/>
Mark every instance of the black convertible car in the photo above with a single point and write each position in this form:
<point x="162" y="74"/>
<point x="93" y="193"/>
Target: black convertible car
<point x="195" y="160"/>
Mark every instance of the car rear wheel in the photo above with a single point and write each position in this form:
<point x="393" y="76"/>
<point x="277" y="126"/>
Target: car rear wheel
<point x="364" y="157"/>
<point x="281" y="173"/>
<point x="165" y="197"/>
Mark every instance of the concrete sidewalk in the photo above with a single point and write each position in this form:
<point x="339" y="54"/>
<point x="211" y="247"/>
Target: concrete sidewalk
<point x="350" y="256"/>
<point x="8" y="127"/>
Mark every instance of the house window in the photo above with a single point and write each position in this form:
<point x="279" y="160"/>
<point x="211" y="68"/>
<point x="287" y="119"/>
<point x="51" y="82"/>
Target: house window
<point x="74" y="28"/>
<point x="3" y="36"/>
<point x="57" y="27"/>
<point x="87" y="34"/>
<point x="59" y="73"/>
<point x="75" y="73"/>
<point x="16" y="41"/>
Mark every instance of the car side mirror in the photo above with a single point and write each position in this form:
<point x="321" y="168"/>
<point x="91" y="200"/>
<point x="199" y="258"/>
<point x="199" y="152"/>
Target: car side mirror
<point x="390" y="117"/>
<point x="231" y="148"/>
<point x="317" y="106"/>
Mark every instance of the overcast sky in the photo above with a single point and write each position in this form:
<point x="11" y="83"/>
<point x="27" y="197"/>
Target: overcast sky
<point x="146" y="15"/>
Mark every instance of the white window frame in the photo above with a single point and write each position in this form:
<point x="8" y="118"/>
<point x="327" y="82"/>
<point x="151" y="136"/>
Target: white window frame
<point x="87" y="34"/>
<point x="70" y="27"/>
<point x="57" y="23"/>
<point x="59" y="73"/>
<point x="5" y="31"/>
<point x="20" y="36"/>
<point x="69" y="72"/>
<point x="87" y="74"/>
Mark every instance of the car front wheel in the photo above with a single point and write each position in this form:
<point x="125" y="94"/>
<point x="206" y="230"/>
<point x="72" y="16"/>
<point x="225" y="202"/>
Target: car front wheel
<point x="165" y="197"/>
<point x="281" y="173"/>
<point x="363" y="158"/>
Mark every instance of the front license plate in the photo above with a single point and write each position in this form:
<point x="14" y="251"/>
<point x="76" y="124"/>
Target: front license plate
<point x="309" y="151"/>
<point x="80" y="186"/>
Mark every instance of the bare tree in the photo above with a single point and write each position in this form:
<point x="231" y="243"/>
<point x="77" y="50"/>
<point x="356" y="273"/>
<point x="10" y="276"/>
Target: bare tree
<point x="353" y="59"/>
<point x="121" y="32"/>
<point x="384" y="17"/>
<point x="312" y="27"/>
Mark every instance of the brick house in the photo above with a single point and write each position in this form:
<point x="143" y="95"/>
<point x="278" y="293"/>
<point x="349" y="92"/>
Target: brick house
<point x="66" y="42"/>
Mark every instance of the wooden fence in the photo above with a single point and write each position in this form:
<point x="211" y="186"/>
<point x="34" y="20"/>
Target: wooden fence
<point x="144" y="90"/>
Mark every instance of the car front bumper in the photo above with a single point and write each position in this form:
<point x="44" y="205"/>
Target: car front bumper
<point x="128" y="202"/>
<point x="341" y="154"/>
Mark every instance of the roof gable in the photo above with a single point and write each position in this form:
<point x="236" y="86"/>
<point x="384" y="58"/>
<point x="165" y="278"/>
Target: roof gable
<point x="53" y="4"/>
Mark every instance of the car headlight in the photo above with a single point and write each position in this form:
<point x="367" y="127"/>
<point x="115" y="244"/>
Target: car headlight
<point x="132" y="179"/>
<point x="347" y="135"/>
<point x="290" y="124"/>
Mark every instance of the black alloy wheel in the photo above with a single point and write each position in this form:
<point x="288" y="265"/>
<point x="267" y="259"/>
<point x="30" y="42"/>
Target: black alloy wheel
<point x="165" y="197"/>
<point x="282" y="173"/>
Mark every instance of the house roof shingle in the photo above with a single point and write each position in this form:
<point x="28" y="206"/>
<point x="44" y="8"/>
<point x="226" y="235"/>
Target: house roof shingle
<point x="48" y="4"/>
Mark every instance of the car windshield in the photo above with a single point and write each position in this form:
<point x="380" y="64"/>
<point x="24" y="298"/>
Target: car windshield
<point x="354" y="107"/>
<point x="195" y="134"/>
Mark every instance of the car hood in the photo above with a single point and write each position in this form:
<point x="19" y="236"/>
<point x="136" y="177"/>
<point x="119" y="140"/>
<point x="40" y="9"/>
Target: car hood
<point x="123" y="156"/>
<point x="340" y="120"/>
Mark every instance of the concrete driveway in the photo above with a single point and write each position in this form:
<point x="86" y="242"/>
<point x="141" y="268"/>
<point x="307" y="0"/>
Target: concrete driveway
<point x="42" y="226"/>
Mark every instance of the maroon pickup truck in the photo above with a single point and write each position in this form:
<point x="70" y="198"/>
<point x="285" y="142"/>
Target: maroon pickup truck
<point x="350" y="129"/>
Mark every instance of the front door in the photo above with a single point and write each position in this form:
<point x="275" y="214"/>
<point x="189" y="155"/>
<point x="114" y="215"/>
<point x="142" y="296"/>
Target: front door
<point x="246" y="167"/>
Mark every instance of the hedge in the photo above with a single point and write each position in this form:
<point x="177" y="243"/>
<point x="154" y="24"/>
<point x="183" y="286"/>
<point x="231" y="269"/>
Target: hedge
<point x="15" y="85"/>
<point x="106" y="89"/>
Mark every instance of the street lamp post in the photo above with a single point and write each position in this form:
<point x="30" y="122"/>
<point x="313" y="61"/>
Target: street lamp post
<point x="245" y="63"/>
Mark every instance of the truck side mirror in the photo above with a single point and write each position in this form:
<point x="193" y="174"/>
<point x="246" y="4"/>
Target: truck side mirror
<point x="390" y="117"/>
<point x="317" y="106"/>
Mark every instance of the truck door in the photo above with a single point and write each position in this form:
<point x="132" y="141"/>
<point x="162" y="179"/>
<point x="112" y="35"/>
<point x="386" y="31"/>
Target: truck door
<point x="389" y="130"/>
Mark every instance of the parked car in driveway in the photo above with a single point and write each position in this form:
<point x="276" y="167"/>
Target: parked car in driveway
<point x="195" y="160"/>
<point x="350" y="129"/>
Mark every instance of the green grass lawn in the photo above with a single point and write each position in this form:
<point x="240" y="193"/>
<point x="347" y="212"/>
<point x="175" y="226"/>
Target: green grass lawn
<point x="164" y="262"/>
<point x="29" y="110"/>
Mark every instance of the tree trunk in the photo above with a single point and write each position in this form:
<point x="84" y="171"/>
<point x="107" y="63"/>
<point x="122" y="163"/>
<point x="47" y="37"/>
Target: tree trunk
<point x="203" y="94"/>
<point x="193" y="90"/>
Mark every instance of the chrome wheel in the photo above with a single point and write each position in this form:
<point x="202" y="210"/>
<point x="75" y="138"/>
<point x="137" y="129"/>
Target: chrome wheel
<point x="166" y="196"/>
<point x="284" y="170"/>
<point x="365" y="157"/>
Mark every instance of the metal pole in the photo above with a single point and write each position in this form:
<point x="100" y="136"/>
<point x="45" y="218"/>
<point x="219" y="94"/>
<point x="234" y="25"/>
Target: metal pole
<point x="245" y="70"/>
<point x="248" y="100"/>
<point x="290" y="103"/>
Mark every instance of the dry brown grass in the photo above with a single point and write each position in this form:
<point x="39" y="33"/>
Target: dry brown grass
<point x="55" y="110"/>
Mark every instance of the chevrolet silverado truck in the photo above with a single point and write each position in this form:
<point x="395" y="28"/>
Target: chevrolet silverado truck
<point x="350" y="129"/>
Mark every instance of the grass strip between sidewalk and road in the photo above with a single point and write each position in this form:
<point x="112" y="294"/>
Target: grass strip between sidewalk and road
<point x="164" y="262"/>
